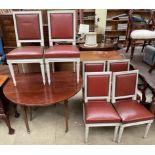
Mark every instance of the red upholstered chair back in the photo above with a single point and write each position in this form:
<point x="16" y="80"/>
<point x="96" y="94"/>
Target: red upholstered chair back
<point x="93" y="66"/>
<point x="124" y="85"/>
<point x="97" y="85"/>
<point x="62" y="25"/>
<point x="28" y="27"/>
<point x="118" y="65"/>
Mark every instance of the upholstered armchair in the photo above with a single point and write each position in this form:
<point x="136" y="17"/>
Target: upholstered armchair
<point x="124" y="98"/>
<point x="138" y="31"/>
<point x="28" y="29"/>
<point x="62" y="30"/>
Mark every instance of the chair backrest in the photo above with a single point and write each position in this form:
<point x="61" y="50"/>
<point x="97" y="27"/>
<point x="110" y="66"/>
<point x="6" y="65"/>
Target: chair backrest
<point x="28" y="27"/>
<point x="97" y="86"/>
<point x="118" y="65"/>
<point x="62" y="26"/>
<point x="94" y="66"/>
<point x="124" y="85"/>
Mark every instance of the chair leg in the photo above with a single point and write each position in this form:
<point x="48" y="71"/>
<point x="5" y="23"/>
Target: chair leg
<point x="147" y="129"/>
<point x="143" y="46"/>
<point x="43" y="72"/>
<point x="23" y="68"/>
<point x="12" y="73"/>
<point x="86" y="133"/>
<point x="115" y="133"/>
<point x="48" y="72"/>
<point x="132" y="50"/>
<point x="53" y="68"/>
<point x="128" y="45"/>
<point x="74" y="66"/>
<point x="78" y="71"/>
<point x="120" y="134"/>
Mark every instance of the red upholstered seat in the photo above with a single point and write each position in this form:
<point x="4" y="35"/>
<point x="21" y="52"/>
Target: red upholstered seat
<point x="62" y="51"/>
<point x="26" y="52"/>
<point x="100" y="112"/>
<point x="132" y="111"/>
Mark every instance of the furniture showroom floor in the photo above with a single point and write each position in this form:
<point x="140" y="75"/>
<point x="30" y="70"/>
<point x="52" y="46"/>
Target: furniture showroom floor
<point x="48" y="127"/>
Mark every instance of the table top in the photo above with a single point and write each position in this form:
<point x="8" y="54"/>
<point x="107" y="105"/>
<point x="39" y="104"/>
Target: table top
<point x="30" y="90"/>
<point x="100" y="55"/>
<point x="100" y="47"/>
<point x="3" y="78"/>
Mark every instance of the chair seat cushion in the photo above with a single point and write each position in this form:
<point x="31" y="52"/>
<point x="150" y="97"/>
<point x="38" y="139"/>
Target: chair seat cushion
<point x="100" y="112"/>
<point x="62" y="51"/>
<point x="132" y="111"/>
<point x="142" y="34"/>
<point x="26" y="52"/>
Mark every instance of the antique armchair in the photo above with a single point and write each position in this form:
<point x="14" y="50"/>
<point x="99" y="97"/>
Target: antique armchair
<point x="28" y="29"/>
<point x="139" y="30"/>
<point x="118" y="65"/>
<point x="124" y="94"/>
<point x="97" y="109"/>
<point x="61" y="29"/>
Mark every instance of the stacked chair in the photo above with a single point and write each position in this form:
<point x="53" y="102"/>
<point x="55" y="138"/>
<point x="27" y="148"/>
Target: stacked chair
<point x="110" y="99"/>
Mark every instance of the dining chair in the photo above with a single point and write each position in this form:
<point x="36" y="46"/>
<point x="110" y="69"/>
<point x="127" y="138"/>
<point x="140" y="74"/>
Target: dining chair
<point x="118" y="65"/>
<point x="28" y="29"/>
<point x="62" y="30"/>
<point x="97" y="109"/>
<point x="124" y="98"/>
<point x="93" y="66"/>
<point x="139" y="30"/>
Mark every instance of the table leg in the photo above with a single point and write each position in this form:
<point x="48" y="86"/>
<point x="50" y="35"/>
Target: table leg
<point x="66" y="114"/>
<point x="24" y="108"/>
<point x="7" y="121"/>
<point x="15" y="110"/>
<point x="30" y="109"/>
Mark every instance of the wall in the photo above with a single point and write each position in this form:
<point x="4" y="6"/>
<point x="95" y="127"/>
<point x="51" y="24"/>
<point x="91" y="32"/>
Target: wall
<point x="101" y="14"/>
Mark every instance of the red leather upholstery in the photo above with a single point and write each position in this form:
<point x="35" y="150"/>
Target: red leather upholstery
<point x="100" y="112"/>
<point x="94" y="67"/>
<point x="28" y="26"/>
<point x="26" y="52"/>
<point x="97" y="85"/>
<point x="118" y="66"/>
<point x="62" y="51"/>
<point x="132" y="111"/>
<point x="125" y="84"/>
<point x="61" y="25"/>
